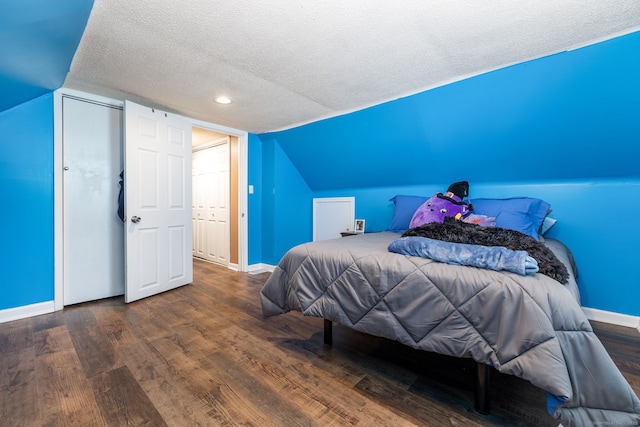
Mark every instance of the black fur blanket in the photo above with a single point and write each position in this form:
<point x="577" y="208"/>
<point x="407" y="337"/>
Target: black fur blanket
<point x="461" y="232"/>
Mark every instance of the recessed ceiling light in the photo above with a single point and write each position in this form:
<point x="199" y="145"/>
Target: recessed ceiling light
<point x="223" y="100"/>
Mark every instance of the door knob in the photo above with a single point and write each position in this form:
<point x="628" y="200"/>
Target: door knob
<point x="136" y="219"/>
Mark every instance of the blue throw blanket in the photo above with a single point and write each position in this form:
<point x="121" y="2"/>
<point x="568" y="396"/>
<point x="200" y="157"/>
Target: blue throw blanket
<point x="490" y="257"/>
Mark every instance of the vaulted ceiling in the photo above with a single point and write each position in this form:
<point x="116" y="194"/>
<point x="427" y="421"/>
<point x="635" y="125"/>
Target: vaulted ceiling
<point x="285" y="63"/>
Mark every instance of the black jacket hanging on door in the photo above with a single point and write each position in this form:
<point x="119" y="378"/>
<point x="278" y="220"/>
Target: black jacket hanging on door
<point x="121" y="198"/>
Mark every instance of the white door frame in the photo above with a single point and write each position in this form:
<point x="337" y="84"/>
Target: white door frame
<point x="58" y="229"/>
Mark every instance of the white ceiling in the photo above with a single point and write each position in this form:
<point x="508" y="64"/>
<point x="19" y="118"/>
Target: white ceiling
<point x="287" y="62"/>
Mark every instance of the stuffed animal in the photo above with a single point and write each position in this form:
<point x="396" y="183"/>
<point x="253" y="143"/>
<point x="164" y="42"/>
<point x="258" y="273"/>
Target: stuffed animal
<point x="439" y="206"/>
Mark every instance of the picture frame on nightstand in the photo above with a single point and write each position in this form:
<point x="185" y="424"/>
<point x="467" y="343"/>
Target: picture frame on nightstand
<point x="359" y="226"/>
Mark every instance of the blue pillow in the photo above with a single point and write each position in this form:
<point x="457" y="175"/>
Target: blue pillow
<point x="523" y="214"/>
<point x="405" y="207"/>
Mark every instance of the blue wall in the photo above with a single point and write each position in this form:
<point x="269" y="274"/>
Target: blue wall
<point x="568" y="116"/>
<point x="26" y="179"/>
<point x="286" y="204"/>
<point x="38" y="39"/>
<point x="563" y="128"/>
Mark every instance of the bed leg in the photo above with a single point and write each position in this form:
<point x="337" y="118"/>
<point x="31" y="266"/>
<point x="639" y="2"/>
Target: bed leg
<point x="328" y="332"/>
<point x="482" y="398"/>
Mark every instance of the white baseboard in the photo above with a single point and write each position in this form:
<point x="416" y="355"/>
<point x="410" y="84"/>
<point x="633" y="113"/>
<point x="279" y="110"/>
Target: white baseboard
<point x="260" y="268"/>
<point x="611" y="317"/>
<point x="10" y="314"/>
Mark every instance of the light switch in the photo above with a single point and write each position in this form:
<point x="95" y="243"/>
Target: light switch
<point x="251" y="189"/>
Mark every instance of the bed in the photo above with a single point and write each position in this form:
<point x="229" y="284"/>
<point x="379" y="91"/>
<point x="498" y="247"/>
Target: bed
<point x="530" y="326"/>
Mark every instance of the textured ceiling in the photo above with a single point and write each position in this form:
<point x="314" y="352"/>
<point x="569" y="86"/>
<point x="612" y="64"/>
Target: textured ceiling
<point x="285" y="63"/>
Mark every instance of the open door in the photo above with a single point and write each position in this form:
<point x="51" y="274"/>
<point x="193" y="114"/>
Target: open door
<point x="158" y="237"/>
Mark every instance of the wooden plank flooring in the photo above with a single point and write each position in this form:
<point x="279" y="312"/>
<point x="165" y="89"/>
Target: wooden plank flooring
<point x="202" y="355"/>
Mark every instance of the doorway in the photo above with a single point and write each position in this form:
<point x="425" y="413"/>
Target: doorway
<point x="238" y="165"/>
<point x="215" y="197"/>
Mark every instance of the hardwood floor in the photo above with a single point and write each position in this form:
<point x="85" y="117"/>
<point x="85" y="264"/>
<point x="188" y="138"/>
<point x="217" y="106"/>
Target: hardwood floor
<point x="202" y="355"/>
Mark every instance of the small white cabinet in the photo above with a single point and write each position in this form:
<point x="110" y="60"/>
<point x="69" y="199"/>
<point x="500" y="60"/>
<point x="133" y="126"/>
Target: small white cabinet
<point x="332" y="216"/>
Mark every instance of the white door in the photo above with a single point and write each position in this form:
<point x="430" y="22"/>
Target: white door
<point x="93" y="239"/>
<point x="218" y="205"/>
<point x="331" y="216"/>
<point x="211" y="177"/>
<point x="158" y="237"/>
<point x="199" y="207"/>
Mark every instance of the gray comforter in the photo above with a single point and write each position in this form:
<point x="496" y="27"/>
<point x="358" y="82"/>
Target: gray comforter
<point x="528" y="326"/>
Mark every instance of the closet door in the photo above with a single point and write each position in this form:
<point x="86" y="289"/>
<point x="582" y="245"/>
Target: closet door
<point x="218" y="205"/>
<point x="199" y="207"/>
<point x="211" y="206"/>
<point x="93" y="234"/>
